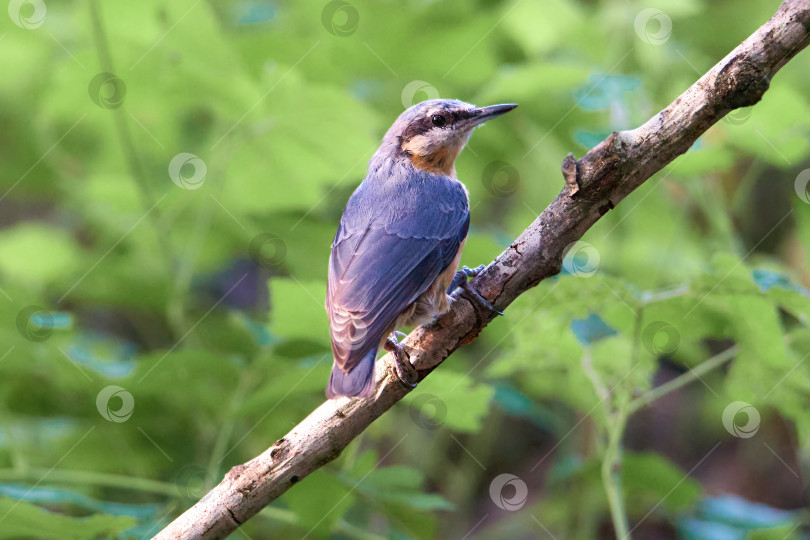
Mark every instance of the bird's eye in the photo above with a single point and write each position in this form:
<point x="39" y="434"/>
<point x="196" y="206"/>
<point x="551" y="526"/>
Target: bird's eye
<point x="438" y="120"/>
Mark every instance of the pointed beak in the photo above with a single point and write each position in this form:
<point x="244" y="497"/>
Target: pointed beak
<point x="482" y="114"/>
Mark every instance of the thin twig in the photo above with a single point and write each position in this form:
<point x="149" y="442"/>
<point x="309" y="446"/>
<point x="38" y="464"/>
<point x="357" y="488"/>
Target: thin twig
<point x="683" y="379"/>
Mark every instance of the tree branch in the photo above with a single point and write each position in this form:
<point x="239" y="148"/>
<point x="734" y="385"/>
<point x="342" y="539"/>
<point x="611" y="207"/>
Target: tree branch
<point x="604" y="176"/>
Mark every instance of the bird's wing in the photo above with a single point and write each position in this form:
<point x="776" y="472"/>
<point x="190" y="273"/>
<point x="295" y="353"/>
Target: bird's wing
<point x="386" y="255"/>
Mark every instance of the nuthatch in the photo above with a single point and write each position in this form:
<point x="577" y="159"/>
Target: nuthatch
<point x="395" y="256"/>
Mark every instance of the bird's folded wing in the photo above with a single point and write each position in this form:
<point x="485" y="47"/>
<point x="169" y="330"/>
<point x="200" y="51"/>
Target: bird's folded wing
<point x="376" y="273"/>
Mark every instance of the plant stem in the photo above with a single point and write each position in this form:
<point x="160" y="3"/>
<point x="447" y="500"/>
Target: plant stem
<point x="186" y="264"/>
<point x="226" y="429"/>
<point x="596" y="380"/>
<point x="612" y="476"/>
<point x="611" y="462"/>
<point x="615" y="421"/>
<point x="91" y="478"/>
<point x="127" y="145"/>
<point x="132" y="155"/>
<point x="682" y="380"/>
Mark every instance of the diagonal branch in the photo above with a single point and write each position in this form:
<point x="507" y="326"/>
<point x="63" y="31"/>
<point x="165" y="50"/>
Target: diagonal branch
<point x="605" y="176"/>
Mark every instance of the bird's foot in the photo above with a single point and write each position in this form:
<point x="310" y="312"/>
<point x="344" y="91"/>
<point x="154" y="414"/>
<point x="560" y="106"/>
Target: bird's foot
<point x="402" y="364"/>
<point x="460" y="280"/>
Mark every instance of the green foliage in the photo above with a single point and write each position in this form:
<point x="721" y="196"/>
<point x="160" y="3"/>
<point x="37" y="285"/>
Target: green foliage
<point x="37" y="255"/>
<point x="463" y="402"/>
<point x="22" y="519"/>
<point x="206" y="304"/>
<point x="320" y="500"/>
<point x="648" y="480"/>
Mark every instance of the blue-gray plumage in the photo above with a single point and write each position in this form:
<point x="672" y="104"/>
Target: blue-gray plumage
<point x="398" y="244"/>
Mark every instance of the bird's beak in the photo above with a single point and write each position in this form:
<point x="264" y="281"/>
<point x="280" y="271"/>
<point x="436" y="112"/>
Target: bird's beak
<point x="482" y="114"/>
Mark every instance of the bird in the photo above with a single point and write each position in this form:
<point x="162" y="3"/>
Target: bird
<point x="395" y="255"/>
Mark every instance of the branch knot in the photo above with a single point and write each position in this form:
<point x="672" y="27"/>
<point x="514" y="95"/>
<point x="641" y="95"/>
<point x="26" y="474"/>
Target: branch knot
<point x="741" y="83"/>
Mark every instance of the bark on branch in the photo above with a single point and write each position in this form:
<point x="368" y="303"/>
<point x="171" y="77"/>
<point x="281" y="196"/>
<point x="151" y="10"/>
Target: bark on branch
<point x="593" y="185"/>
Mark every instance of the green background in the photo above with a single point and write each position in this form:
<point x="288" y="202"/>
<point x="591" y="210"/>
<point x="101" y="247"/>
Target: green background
<point x="196" y="290"/>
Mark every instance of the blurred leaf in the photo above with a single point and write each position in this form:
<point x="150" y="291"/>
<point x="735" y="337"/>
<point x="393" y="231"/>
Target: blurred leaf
<point x="400" y="485"/>
<point x="298" y="310"/>
<point x="319" y="500"/>
<point x="37" y="254"/>
<point x="539" y="28"/>
<point x="649" y="479"/>
<point x="23" y="519"/>
<point x="591" y="329"/>
<point x="770" y="131"/>
<point x="464" y="401"/>
<point x="739" y="512"/>
<point x="697" y="529"/>
<point x="785" y="532"/>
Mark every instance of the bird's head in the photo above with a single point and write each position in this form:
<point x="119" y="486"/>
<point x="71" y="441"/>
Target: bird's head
<point x="432" y="133"/>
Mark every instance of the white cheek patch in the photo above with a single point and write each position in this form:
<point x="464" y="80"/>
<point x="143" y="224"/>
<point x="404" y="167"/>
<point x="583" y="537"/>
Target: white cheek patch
<point x="420" y="145"/>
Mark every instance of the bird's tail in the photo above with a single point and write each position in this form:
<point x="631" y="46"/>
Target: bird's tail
<point x="359" y="382"/>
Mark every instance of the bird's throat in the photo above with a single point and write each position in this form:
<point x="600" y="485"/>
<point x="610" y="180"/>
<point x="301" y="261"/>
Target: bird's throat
<point x="434" y="158"/>
<point x="441" y="162"/>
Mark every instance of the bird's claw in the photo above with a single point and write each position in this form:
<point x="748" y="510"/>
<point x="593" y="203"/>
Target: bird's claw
<point x="460" y="280"/>
<point x="480" y="299"/>
<point x="462" y="276"/>
<point x="402" y="364"/>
